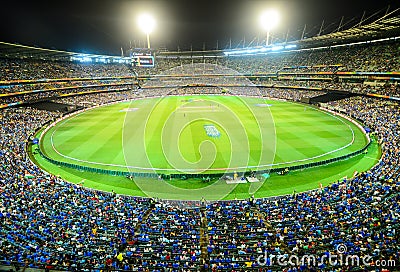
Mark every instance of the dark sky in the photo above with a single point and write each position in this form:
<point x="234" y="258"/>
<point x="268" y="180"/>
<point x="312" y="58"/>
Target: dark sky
<point x="104" y="26"/>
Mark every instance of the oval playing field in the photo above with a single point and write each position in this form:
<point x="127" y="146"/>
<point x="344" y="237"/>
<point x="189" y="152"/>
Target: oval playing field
<point x="200" y="134"/>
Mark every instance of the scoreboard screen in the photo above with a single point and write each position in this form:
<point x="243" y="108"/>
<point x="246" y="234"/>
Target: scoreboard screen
<point x="142" y="60"/>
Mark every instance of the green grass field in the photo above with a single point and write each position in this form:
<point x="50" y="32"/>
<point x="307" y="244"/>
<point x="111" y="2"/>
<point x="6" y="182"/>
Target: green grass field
<point x="204" y="134"/>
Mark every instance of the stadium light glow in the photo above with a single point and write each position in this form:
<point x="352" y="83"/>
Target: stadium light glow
<point x="146" y="23"/>
<point x="260" y="50"/>
<point x="268" y="20"/>
<point x="277" y="48"/>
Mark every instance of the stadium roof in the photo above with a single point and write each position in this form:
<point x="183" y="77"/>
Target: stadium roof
<point x="10" y="50"/>
<point x="384" y="27"/>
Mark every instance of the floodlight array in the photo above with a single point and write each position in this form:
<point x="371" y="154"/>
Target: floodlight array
<point x="259" y="50"/>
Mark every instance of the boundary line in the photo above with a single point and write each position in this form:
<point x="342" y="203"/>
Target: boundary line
<point x="75" y="114"/>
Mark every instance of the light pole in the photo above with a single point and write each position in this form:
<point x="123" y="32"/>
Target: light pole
<point x="147" y="24"/>
<point x="268" y="20"/>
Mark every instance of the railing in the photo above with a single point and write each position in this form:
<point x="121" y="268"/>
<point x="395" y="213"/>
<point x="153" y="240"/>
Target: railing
<point x="189" y="175"/>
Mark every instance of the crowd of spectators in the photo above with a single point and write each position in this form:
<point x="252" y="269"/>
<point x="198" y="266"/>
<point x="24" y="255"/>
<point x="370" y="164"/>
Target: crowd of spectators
<point x="291" y="95"/>
<point x="361" y="58"/>
<point x="359" y="88"/>
<point x="42" y="216"/>
<point x="45" y="79"/>
<point x="196" y="90"/>
<point x="52" y="95"/>
<point x="88" y="100"/>
<point x="369" y="57"/>
<point x="302" y="67"/>
<point x="237" y="235"/>
<point x="27" y="69"/>
<point x="361" y="215"/>
<point x="48" y="222"/>
<point x="169" y="238"/>
<point x="349" y="58"/>
<point x="61" y="84"/>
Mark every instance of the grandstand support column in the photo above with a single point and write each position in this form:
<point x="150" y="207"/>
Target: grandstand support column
<point x="362" y="19"/>
<point x="144" y="218"/>
<point x="148" y="40"/>
<point x="204" y="241"/>
<point x="304" y="31"/>
<point x="135" y="80"/>
<point x="269" y="227"/>
<point x="122" y="248"/>
<point x="340" y="24"/>
<point x="321" y="28"/>
<point x="287" y="36"/>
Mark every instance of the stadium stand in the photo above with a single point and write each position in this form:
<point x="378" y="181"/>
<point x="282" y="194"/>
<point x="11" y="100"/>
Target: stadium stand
<point x="46" y="222"/>
<point x="169" y="238"/>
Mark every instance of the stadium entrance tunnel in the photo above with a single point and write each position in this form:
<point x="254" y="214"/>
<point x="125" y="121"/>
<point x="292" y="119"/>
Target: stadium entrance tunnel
<point x="329" y="96"/>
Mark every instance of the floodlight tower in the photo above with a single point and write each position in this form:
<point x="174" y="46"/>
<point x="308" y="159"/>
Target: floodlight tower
<point x="147" y="24"/>
<point x="269" y="19"/>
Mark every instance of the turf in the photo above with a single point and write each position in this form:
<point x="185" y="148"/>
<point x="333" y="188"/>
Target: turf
<point x="168" y="134"/>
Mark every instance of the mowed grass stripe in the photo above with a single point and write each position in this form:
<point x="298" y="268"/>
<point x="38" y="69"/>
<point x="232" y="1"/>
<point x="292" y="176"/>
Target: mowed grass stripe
<point x="317" y="137"/>
<point x="134" y="133"/>
<point x="109" y="147"/>
<point x="287" y="152"/>
<point x="194" y="135"/>
<point x="72" y="140"/>
<point x="178" y="141"/>
<point x="190" y="149"/>
<point x="154" y="132"/>
<point x="96" y="137"/>
<point x="254" y="135"/>
<point x="255" y="117"/>
<point x="118" y="157"/>
<point x="313" y="138"/>
<point x="73" y="130"/>
<point x="223" y="144"/>
<point x="304" y="139"/>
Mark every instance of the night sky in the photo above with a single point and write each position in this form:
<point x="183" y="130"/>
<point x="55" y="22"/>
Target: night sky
<point x="105" y="26"/>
